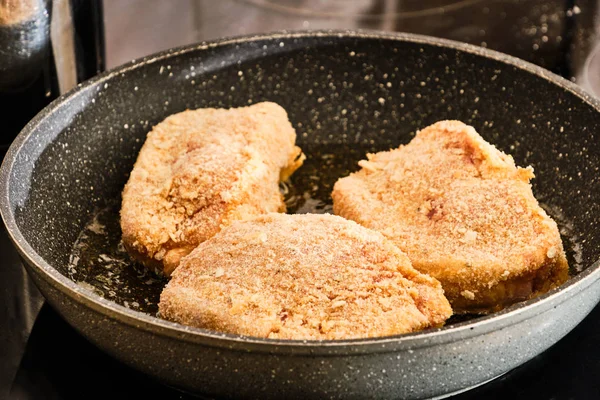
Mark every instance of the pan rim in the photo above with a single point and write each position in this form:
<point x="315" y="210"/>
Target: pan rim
<point x="509" y="316"/>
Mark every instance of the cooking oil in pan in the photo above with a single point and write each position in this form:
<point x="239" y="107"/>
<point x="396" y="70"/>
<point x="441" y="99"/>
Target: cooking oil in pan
<point x="100" y="262"/>
<point x="309" y="189"/>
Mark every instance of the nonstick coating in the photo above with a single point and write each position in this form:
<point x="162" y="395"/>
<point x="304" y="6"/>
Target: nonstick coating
<point x="342" y="91"/>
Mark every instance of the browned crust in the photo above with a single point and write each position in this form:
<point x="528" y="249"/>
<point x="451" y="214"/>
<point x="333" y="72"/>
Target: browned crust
<point x="463" y="213"/>
<point x="200" y="170"/>
<point x="519" y="288"/>
<point x="302" y="277"/>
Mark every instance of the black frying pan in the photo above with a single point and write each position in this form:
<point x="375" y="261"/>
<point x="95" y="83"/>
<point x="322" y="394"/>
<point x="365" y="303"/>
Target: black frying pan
<point x="346" y="93"/>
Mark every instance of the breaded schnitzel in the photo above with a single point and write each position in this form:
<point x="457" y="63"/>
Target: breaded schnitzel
<point x="463" y="213"/>
<point x="200" y="170"/>
<point x="303" y="276"/>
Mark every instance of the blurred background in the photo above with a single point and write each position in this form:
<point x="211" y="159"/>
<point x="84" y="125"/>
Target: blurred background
<point x="557" y="34"/>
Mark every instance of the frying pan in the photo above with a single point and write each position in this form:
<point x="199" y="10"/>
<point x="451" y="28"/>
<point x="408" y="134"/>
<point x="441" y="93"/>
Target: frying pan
<point x="346" y="93"/>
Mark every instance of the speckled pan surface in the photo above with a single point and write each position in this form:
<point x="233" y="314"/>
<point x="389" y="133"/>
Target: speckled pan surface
<point x="346" y="93"/>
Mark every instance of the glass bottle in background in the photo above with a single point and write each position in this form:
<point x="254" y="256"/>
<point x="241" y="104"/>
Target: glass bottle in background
<point x="46" y="47"/>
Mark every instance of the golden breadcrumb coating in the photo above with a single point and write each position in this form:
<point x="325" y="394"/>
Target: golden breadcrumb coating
<point x="463" y="213"/>
<point x="200" y="170"/>
<point x="303" y="276"/>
